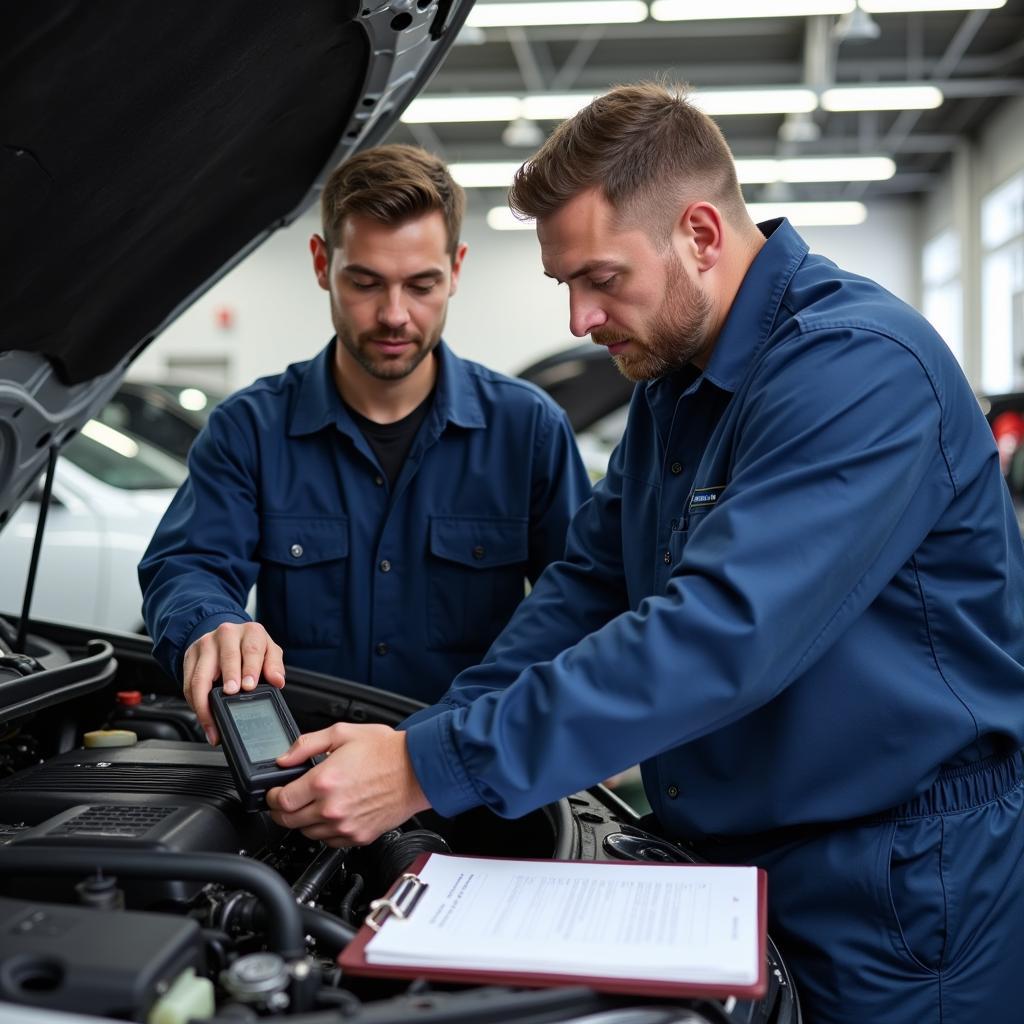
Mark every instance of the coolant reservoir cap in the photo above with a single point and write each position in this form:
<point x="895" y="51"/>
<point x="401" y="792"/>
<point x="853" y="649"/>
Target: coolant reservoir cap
<point x="110" y="738"/>
<point x="129" y="698"/>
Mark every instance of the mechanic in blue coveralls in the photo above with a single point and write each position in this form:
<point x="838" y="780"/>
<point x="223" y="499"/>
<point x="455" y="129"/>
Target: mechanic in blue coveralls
<point x="387" y="498"/>
<point x="796" y="598"/>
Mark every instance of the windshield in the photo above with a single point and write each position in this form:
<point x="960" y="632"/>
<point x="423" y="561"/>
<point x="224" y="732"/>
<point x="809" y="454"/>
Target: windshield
<point x="122" y="460"/>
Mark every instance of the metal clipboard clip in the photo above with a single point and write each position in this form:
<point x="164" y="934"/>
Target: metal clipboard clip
<point x="400" y="901"/>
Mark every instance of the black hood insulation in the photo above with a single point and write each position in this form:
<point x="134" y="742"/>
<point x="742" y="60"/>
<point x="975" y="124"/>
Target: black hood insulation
<point x="143" y="145"/>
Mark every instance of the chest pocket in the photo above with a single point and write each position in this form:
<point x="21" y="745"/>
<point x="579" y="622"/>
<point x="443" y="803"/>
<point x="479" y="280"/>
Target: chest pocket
<point x="477" y="574"/>
<point x="300" y="593"/>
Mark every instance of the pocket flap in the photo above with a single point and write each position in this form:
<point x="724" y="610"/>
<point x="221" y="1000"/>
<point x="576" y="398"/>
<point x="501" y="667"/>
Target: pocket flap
<point x="304" y="540"/>
<point x="479" y="543"/>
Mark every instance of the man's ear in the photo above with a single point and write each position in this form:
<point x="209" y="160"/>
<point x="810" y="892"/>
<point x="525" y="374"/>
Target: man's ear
<point x="702" y="228"/>
<point x="460" y="255"/>
<point x="321" y="261"/>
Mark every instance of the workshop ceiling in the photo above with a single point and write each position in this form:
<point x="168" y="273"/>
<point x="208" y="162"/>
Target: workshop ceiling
<point x="974" y="57"/>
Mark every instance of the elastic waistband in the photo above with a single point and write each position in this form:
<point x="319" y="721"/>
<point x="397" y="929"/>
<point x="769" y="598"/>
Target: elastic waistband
<point x="962" y="787"/>
<point x="956" y="788"/>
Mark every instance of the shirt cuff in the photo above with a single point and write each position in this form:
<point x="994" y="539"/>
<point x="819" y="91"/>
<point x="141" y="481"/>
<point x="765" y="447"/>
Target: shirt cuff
<point x="206" y="625"/>
<point x="437" y="765"/>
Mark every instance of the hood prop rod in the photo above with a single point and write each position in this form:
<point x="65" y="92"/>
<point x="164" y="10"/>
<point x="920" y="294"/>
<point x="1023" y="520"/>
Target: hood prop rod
<point x="37" y="544"/>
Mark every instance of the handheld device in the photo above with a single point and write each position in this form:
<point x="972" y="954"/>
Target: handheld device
<point x="255" y="728"/>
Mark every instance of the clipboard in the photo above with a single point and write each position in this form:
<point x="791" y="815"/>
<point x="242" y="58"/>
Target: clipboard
<point x="406" y="893"/>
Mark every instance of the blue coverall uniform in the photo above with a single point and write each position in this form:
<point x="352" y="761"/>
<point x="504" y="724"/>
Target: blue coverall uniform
<point x="399" y="589"/>
<point x="798" y="599"/>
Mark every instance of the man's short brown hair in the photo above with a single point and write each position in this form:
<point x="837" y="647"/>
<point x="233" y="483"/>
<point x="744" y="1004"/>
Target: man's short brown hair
<point x="645" y="146"/>
<point x="392" y="184"/>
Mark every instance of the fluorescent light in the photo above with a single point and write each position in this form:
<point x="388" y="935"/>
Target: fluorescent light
<point x="558" y="12"/>
<point x="500" y="218"/>
<point x="554" y="106"/>
<point x="827" y="168"/>
<point x="882" y="97"/>
<point x="763" y="171"/>
<point x="750" y="171"/>
<point x="770" y="100"/>
<point x="700" y="10"/>
<point x="443" y="109"/>
<point x="110" y="438"/>
<point x="903" y="6"/>
<point x="812" y="214"/>
<point x="492" y="174"/>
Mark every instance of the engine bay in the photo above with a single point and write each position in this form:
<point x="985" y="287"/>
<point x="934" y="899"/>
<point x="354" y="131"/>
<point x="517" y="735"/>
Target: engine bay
<point x="135" y="886"/>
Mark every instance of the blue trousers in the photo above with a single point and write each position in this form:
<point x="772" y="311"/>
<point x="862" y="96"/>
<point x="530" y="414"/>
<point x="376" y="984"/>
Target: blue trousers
<point x="914" y="917"/>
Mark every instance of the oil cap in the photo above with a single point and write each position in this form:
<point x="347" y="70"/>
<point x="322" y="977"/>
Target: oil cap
<point x="110" y="738"/>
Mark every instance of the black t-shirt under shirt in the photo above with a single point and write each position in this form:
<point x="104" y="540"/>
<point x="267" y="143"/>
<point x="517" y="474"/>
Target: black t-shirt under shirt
<point x="391" y="441"/>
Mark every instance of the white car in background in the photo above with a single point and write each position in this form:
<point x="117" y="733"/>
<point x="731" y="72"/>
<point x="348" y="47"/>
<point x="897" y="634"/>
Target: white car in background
<point x="110" y="490"/>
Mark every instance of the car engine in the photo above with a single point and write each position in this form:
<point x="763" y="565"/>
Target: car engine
<point x="134" y="886"/>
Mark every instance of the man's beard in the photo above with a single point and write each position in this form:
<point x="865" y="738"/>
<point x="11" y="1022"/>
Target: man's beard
<point x="379" y="365"/>
<point x="677" y="332"/>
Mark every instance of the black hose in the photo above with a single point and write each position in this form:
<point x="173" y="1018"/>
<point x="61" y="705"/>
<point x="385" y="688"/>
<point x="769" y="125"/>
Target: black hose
<point x="330" y="931"/>
<point x="285" y="931"/>
<point x="243" y="914"/>
<point x="323" y="867"/>
<point x="348" y="901"/>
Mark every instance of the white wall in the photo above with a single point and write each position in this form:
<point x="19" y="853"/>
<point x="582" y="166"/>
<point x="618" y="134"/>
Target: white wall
<point x="506" y="313"/>
<point x="976" y="169"/>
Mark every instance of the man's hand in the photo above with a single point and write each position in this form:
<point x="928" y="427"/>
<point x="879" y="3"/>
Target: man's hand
<point x="364" y="787"/>
<point x="238" y="654"/>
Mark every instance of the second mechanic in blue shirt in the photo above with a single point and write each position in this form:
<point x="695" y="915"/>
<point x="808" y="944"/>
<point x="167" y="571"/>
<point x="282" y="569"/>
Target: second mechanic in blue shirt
<point x="387" y="498"/>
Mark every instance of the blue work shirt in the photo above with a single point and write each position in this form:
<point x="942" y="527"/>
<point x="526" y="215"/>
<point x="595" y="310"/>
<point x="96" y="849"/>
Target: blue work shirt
<point x="398" y="589"/>
<point x="797" y="593"/>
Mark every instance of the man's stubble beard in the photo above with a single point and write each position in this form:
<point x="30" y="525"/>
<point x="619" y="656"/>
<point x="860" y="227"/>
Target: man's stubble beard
<point x="360" y="347"/>
<point x="678" y="332"/>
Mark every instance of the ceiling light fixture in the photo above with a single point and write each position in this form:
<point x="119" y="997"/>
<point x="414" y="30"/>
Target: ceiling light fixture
<point x="501" y="218"/>
<point x="557" y="12"/>
<point x="487" y="174"/>
<point x="749" y="170"/>
<point x="700" y="10"/>
<point x="856" y="27"/>
<point x="914" y="6"/>
<point x="881" y="97"/>
<point x="450" y="109"/>
<point x="838" y="214"/>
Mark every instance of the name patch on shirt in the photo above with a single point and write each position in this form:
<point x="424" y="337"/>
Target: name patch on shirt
<point x="705" y="497"/>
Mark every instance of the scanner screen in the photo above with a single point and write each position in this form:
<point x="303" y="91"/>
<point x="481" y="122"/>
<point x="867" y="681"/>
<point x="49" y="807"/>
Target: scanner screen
<point x="261" y="730"/>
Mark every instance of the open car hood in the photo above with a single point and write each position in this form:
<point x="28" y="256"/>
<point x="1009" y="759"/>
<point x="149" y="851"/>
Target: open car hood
<point x="145" y="149"/>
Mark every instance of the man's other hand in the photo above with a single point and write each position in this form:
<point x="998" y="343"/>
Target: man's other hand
<point x="364" y="787"/>
<point x="236" y="653"/>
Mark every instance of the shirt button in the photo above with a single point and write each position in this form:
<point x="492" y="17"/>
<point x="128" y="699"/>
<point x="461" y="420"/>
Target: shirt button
<point x="677" y="468"/>
<point x="667" y="558"/>
<point x="381" y="649"/>
<point x="478" y="551"/>
<point x="379" y="480"/>
<point x="673" y="792"/>
<point x="385" y="566"/>
<point x="295" y="551"/>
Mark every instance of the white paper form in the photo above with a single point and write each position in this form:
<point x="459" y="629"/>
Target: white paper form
<point x="656" y="922"/>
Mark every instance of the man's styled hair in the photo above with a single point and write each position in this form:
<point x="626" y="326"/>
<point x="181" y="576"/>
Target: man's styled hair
<point x="645" y="146"/>
<point x="392" y="184"/>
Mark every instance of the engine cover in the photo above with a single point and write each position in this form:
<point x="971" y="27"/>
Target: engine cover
<point x="156" y="795"/>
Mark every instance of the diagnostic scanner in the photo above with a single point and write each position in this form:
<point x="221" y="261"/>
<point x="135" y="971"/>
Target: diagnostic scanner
<point x="255" y="728"/>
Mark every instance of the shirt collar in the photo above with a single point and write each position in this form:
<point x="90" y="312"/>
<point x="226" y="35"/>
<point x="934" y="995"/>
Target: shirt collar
<point x="319" y="405"/>
<point x="755" y="309"/>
